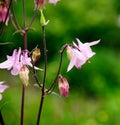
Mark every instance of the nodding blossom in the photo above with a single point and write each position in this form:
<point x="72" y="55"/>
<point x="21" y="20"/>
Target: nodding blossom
<point x="80" y="54"/>
<point x="2" y="89"/>
<point x="63" y="86"/>
<point x="41" y="3"/>
<point x="16" y="61"/>
<point x="3" y="11"/>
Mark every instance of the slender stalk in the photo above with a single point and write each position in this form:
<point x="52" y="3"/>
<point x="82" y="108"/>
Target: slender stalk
<point x="25" y="41"/>
<point x="40" y="109"/>
<point x="1" y="119"/>
<point x="45" y="56"/>
<point x="51" y="88"/>
<point x="3" y="26"/>
<point x="14" y="18"/>
<point x="44" y="79"/>
<point x="24" y="14"/>
<point x="22" y="104"/>
<point x="35" y="74"/>
<point x="23" y="86"/>
<point x="32" y="20"/>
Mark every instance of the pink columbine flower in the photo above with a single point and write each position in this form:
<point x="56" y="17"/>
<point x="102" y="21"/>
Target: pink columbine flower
<point x="2" y="89"/>
<point x="16" y="61"/>
<point x="3" y="11"/>
<point x="63" y="86"/>
<point x="79" y="54"/>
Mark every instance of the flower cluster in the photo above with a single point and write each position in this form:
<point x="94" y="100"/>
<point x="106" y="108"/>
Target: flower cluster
<point x="80" y="54"/>
<point x="16" y="61"/>
<point x="2" y="89"/>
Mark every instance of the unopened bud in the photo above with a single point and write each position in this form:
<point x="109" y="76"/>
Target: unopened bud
<point x="39" y="3"/>
<point x="36" y="55"/>
<point x="63" y="86"/>
<point x="24" y="75"/>
<point x="69" y="53"/>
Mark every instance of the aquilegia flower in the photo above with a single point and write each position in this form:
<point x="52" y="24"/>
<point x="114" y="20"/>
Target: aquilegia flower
<point x="2" y="89"/>
<point x="16" y="61"/>
<point x="63" y="86"/>
<point x="80" y="54"/>
<point x="3" y="11"/>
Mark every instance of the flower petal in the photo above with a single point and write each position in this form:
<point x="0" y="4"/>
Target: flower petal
<point x="93" y="43"/>
<point x="6" y="64"/>
<point x="2" y="88"/>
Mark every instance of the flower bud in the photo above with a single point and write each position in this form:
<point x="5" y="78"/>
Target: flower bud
<point x="63" y="86"/>
<point x="3" y="11"/>
<point x="36" y="55"/>
<point x="24" y="75"/>
<point x="39" y="3"/>
<point x="69" y="53"/>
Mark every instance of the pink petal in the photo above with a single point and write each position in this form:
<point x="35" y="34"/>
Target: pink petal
<point x="2" y="88"/>
<point x="16" y="68"/>
<point x="71" y="64"/>
<point x="93" y="43"/>
<point x="6" y="65"/>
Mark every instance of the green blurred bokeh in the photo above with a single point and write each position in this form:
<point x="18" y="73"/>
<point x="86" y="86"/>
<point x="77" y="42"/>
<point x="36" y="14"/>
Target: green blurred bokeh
<point x="94" y="90"/>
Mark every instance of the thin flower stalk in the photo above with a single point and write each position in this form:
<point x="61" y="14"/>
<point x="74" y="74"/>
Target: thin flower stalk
<point x="51" y="88"/>
<point x="44" y="77"/>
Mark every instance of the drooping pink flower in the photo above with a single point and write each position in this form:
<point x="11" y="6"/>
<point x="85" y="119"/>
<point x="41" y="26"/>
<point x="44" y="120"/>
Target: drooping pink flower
<point x="63" y="86"/>
<point x="3" y="11"/>
<point x="16" y="61"/>
<point x="2" y="89"/>
<point x="80" y="53"/>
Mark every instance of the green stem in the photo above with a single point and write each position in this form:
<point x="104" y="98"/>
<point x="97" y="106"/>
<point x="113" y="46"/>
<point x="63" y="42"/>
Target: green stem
<point x="22" y="104"/>
<point x="24" y="14"/>
<point x="17" y="26"/>
<point x="44" y="79"/>
<point x="32" y="20"/>
<point x="40" y="109"/>
<point x="51" y="88"/>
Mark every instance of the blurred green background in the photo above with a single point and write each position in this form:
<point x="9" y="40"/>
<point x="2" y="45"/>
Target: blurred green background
<point x="94" y="97"/>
